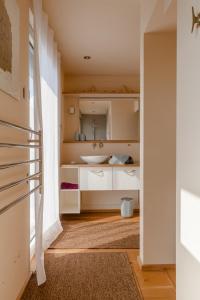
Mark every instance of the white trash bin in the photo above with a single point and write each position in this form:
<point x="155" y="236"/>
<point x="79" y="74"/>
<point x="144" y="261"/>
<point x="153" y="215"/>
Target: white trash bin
<point x="127" y="207"/>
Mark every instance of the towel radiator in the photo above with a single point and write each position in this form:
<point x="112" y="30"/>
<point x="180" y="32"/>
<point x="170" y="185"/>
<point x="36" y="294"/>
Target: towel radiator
<point x="37" y="176"/>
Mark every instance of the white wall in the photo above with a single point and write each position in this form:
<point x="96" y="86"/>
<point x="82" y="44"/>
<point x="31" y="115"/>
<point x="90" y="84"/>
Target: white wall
<point x="14" y="224"/>
<point x="108" y="84"/>
<point x="158" y="15"/>
<point x="158" y="148"/>
<point x="70" y="123"/>
<point x="188" y="154"/>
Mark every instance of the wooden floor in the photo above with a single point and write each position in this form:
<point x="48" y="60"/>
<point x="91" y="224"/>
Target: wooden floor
<point x="154" y="285"/>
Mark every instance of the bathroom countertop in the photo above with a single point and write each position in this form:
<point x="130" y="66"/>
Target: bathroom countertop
<point x="101" y="165"/>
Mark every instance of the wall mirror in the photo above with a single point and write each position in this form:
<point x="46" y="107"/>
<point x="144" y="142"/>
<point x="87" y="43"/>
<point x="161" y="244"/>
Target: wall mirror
<point x="95" y="119"/>
<point x="102" y="119"/>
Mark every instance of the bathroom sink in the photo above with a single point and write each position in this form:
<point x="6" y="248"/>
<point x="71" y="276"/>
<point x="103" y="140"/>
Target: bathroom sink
<point x="98" y="159"/>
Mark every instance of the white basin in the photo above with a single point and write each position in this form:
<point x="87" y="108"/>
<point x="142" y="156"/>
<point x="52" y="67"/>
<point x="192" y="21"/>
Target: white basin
<point x="98" y="159"/>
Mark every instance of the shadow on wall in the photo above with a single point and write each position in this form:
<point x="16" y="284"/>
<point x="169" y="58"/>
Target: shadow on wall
<point x="190" y="222"/>
<point x="159" y="15"/>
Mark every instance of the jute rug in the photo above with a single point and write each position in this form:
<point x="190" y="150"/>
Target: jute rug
<point x="117" y="234"/>
<point x="85" y="276"/>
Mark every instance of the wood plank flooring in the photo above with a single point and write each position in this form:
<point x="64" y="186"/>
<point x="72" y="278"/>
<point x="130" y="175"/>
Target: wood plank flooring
<point x="154" y="285"/>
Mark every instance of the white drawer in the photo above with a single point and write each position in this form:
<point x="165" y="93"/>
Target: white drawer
<point x="126" y="178"/>
<point x="92" y="178"/>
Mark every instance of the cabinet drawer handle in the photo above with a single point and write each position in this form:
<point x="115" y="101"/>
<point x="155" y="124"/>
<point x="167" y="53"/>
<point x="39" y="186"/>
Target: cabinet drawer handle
<point x="99" y="173"/>
<point x="130" y="172"/>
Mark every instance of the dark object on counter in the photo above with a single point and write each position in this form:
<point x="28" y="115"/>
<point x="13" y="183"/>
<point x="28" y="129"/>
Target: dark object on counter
<point x="69" y="186"/>
<point x="129" y="160"/>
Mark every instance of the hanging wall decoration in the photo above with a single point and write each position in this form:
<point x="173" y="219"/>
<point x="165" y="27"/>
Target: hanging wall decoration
<point x="195" y="20"/>
<point x="9" y="48"/>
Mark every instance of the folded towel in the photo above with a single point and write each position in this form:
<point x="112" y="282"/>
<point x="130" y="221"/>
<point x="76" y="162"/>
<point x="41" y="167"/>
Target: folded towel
<point x="69" y="186"/>
<point x="120" y="159"/>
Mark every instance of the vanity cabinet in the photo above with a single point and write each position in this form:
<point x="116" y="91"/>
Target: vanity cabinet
<point x="126" y="178"/>
<point x="95" y="178"/>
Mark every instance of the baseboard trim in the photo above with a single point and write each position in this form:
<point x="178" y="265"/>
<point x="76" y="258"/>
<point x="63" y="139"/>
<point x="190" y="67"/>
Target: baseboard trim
<point x="117" y="210"/>
<point x="155" y="267"/>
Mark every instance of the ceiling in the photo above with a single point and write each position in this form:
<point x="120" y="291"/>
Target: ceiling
<point x="163" y="17"/>
<point x="106" y="30"/>
<point x="94" y="107"/>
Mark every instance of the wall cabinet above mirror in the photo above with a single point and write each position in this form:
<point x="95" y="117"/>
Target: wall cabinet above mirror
<point x="100" y="119"/>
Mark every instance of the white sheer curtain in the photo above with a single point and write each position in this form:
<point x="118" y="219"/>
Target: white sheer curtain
<point x="47" y="91"/>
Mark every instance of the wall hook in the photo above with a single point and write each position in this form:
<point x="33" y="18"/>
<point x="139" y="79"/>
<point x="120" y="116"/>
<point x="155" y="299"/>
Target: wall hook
<point x="195" y="19"/>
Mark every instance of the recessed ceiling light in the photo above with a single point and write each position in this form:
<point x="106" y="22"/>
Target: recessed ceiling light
<point x="87" y="57"/>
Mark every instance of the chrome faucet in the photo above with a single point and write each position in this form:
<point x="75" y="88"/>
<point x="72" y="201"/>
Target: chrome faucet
<point x="94" y="145"/>
<point x="101" y="145"/>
